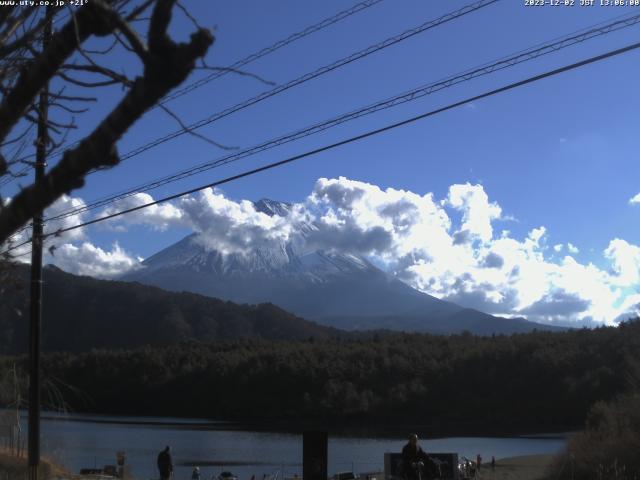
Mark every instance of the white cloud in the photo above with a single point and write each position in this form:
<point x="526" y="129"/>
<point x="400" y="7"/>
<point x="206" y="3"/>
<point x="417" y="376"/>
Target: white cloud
<point x="625" y="260"/>
<point x="478" y="212"/>
<point x="232" y="227"/>
<point x="414" y="236"/>
<point x="158" y="217"/>
<point x="446" y="247"/>
<point x="63" y="249"/>
<point x="364" y="219"/>
<point x="571" y="248"/>
<point x="60" y="206"/>
<point x="87" y="259"/>
<point x="635" y="200"/>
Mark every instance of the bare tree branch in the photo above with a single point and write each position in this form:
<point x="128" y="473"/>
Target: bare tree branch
<point x="191" y="131"/>
<point x="90" y="20"/>
<point x="98" y="69"/>
<point x="166" y="66"/>
<point x="27" y="38"/>
<point x="82" y="83"/>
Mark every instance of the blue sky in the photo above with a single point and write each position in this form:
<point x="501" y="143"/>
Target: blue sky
<point x="560" y="153"/>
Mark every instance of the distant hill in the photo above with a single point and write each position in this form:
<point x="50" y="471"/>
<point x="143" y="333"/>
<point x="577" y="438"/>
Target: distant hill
<point x="463" y="320"/>
<point x="331" y="288"/>
<point x="81" y="313"/>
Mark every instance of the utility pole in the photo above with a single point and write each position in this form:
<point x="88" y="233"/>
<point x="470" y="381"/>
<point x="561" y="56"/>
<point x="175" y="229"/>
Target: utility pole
<point x="36" y="279"/>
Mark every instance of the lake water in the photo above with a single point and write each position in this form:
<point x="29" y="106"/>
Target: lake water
<point x="86" y="441"/>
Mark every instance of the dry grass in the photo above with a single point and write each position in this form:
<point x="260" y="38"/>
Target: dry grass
<point x="608" y="448"/>
<point x="530" y="467"/>
<point x="14" y="468"/>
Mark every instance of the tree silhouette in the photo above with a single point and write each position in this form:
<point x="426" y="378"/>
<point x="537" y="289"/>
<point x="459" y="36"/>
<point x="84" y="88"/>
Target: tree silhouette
<point x="25" y="71"/>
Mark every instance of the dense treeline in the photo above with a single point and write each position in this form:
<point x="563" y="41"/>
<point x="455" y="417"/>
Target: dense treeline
<point x="80" y="313"/>
<point x="540" y="380"/>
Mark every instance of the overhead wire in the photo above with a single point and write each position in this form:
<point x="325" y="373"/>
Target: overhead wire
<point x="472" y="7"/>
<point x="358" y="7"/>
<point x="324" y="23"/>
<point x="485" y="69"/>
<point x="370" y="133"/>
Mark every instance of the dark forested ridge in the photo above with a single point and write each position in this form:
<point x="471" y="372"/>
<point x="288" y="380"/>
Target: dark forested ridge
<point x="537" y="381"/>
<point x="80" y="313"/>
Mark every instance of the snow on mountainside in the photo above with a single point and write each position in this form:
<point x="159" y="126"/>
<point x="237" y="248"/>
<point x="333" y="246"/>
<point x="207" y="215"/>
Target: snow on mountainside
<point x="272" y="207"/>
<point x="339" y="289"/>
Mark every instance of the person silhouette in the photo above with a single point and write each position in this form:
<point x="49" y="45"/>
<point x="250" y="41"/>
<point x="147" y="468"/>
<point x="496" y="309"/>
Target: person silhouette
<point x="414" y="459"/>
<point x="165" y="463"/>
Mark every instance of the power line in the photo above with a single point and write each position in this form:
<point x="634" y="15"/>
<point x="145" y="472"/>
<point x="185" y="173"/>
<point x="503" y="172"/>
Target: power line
<point x="353" y="139"/>
<point x="311" y="75"/>
<point x="358" y="7"/>
<point x="485" y="69"/>
<point x="272" y="48"/>
<point x="472" y="7"/>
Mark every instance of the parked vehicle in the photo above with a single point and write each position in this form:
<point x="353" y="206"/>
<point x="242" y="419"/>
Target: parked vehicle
<point x="226" y="476"/>
<point x="346" y="476"/>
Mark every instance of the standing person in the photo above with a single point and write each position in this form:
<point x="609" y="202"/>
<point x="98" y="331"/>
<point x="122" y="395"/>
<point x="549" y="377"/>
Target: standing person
<point x="195" y="475"/>
<point x="493" y="462"/>
<point x="412" y="458"/>
<point x="478" y="462"/>
<point x="165" y="463"/>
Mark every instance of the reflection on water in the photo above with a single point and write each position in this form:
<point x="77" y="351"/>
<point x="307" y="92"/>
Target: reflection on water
<point x="88" y="441"/>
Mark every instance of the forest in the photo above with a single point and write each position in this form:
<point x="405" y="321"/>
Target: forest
<point x="81" y="313"/>
<point x="540" y="381"/>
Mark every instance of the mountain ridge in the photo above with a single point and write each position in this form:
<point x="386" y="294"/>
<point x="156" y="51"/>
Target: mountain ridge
<point x="333" y="288"/>
<point x="81" y="313"/>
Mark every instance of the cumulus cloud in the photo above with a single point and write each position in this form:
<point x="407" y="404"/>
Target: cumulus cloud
<point x="478" y="212"/>
<point x="571" y="248"/>
<point x="88" y="259"/>
<point x="625" y="261"/>
<point x="72" y="251"/>
<point x="158" y="217"/>
<point x="415" y="237"/>
<point x="557" y="305"/>
<point x="635" y="200"/>
<point x="493" y="260"/>
<point x="232" y="227"/>
<point x="446" y="247"/>
<point x="362" y="218"/>
<point x="62" y="205"/>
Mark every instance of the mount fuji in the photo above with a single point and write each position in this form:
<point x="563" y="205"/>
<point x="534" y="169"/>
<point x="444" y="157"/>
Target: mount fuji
<point x="336" y="289"/>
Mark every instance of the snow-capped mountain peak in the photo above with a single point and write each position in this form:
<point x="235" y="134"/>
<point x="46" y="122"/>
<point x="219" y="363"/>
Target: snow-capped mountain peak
<point x="332" y="287"/>
<point x="272" y="207"/>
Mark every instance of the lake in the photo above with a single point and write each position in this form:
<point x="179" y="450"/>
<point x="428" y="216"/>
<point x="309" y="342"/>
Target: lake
<point x="85" y="441"/>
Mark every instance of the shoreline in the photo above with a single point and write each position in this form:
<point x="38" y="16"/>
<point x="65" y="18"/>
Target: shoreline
<point x="524" y="467"/>
<point x="359" y="427"/>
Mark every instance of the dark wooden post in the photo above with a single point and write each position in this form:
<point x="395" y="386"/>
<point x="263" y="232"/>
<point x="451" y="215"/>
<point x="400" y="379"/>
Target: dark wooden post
<point x="36" y="280"/>
<point x="314" y="455"/>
